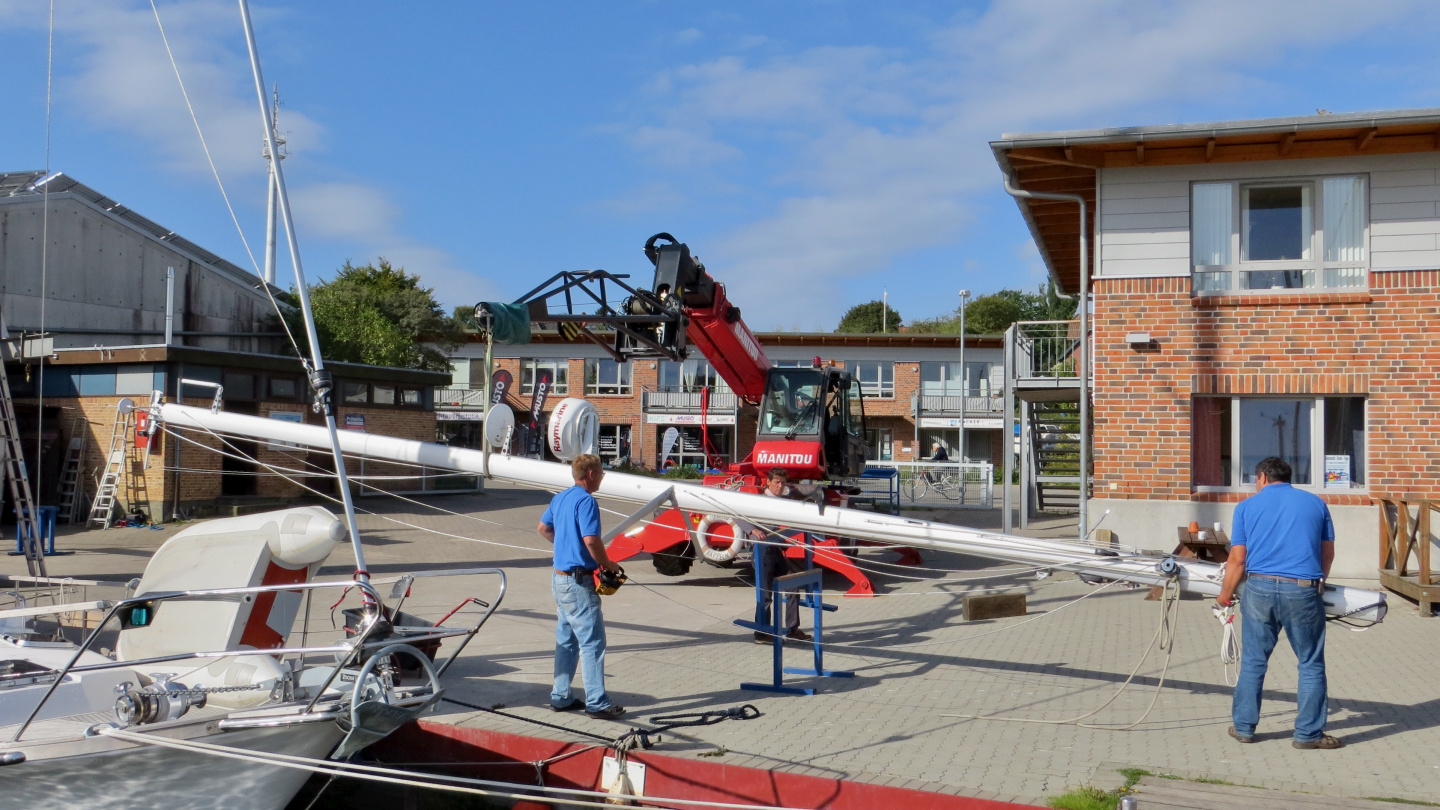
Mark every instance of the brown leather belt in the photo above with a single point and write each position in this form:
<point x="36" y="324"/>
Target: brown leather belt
<point x="569" y="574"/>
<point x="1304" y="583"/>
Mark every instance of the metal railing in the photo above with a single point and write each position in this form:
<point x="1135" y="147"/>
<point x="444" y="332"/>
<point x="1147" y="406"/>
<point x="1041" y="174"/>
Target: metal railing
<point x="460" y="398"/>
<point x="975" y="405"/>
<point x="345" y="652"/>
<point x="685" y="401"/>
<point x="943" y="484"/>
<point x="1047" y="348"/>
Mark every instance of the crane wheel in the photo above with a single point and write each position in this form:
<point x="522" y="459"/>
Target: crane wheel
<point x="674" y="561"/>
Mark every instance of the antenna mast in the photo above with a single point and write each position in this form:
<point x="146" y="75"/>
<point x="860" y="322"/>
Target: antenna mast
<point x="273" y="202"/>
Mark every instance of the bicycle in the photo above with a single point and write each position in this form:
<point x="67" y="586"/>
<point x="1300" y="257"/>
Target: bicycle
<point x="947" y="484"/>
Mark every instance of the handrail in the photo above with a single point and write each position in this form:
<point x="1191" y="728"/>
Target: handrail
<point x="401" y="594"/>
<point x="70" y="666"/>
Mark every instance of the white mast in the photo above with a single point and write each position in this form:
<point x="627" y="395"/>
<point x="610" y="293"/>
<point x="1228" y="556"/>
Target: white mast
<point x="320" y="381"/>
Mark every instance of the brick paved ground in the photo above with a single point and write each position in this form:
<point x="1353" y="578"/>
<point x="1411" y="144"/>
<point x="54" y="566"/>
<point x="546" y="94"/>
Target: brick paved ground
<point x="673" y="649"/>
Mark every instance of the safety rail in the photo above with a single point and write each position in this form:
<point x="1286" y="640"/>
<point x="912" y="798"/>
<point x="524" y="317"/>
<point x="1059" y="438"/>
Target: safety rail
<point x="1046" y="348"/>
<point x="460" y="398"/>
<point x="685" y="401"/>
<point x="943" y="484"/>
<point x="350" y="650"/>
<point x="975" y="404"/>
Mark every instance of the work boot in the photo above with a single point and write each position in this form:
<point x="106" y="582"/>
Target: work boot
<point x="1325" y="743"/>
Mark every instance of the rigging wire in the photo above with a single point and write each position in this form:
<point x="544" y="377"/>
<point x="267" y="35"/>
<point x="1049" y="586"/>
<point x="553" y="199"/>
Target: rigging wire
<point x="44" y="272"/>
<point x="216" y="173"/>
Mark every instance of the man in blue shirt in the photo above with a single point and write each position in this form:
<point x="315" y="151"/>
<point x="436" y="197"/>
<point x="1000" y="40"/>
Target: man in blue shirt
<point x="1282" y="542"/>
<point x="572" y="525"/>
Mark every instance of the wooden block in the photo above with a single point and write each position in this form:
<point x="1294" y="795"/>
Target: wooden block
<point x="1105" y="538"/>
<point x="995" y="606"/>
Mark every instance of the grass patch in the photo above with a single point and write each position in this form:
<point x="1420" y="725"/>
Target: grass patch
<point x="1394" y="800"/>
<point x="1093" y="798"/>
<point x="1205" y="780"/>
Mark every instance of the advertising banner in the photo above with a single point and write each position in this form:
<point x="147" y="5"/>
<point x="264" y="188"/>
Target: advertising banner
<point x="500" y="383"/>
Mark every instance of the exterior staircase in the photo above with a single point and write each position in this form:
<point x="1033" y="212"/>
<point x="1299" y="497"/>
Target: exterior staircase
<point x="1055" y="448"/>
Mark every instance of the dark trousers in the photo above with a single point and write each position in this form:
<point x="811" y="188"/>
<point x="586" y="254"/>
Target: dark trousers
<point x="773" y="564"/>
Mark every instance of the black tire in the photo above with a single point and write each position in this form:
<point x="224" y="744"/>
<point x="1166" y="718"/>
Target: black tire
<point x="674" y="561"/>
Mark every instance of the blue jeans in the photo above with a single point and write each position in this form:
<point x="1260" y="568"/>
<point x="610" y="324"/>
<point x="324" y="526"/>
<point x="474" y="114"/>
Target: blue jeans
<point x="1267" y="606"/>
<point x="579" y="638"/>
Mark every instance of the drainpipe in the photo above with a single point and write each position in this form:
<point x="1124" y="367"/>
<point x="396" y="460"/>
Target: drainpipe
<point x="1084" y="296"/>
<point x="169" y="305"/>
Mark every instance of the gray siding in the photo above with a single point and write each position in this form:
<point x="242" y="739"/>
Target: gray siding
<point x="1144" y="222"/>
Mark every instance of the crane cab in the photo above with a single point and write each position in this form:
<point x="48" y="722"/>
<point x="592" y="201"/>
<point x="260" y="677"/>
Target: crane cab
<point x="812" y="424"/>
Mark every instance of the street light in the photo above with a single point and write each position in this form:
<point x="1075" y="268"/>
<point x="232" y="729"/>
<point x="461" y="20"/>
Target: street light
<point x="964" y="296"/>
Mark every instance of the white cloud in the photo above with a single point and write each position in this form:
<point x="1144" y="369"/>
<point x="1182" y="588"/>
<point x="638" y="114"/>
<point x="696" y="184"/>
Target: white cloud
<point x="887" y="151"/>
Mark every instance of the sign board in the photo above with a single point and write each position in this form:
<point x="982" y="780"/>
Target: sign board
<point x="993" y="423"/>
<point x="355" y="421"/>
<point x="500" y="383"/>
<point x="285" y="416"/>
<point x="689" y="419"/>
<point x="459" y="416"/>
<point x="672" y="435"/>
<point x="1337" y="472"/>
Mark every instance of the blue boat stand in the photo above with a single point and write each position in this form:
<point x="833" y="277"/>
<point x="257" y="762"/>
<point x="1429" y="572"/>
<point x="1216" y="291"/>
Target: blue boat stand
<point x="810" y="584"/>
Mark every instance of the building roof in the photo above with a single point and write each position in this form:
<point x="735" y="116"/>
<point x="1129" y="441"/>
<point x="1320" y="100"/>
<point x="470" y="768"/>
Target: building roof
<point x="767" y="339"/>
<point x="195" y="355"/>
<point x="29" y="185"/>
<point x="1067" y="161"/>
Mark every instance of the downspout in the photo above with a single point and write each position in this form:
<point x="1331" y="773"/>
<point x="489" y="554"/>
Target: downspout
<point x="1084" y="307"/>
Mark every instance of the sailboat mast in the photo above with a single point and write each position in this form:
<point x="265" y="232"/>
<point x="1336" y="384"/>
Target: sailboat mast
<point x="320" y="380"/>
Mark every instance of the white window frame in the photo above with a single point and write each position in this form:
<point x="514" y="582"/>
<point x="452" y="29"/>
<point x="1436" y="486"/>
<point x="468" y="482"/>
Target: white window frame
<point x="704" y="376"/>
<point x="1227" y="279"/>
<point x="620" y="386"/>
<point x="1317" y="446"/>
<point x="874" y="386"/>
<point x="561" y="378"/>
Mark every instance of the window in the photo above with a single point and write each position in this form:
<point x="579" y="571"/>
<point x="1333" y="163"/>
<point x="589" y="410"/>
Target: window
<point x="688" y="449"/>
<point x="412" y="397"/>
<point x="1323" y="440"/>
<point x="606" y="377"/>
<point x="943" y="379"/>
<point x="384" y="394"/>
<point x="283" y="388"/>
<point x="879" y="444"/>
<point x="690" y="376"/>
<point x="877" y="377"/>
<point x="614" y="444"/>
<point x="559" y="371"/>
<point x="1284" y="235"/>
<point x="356" y="393"/>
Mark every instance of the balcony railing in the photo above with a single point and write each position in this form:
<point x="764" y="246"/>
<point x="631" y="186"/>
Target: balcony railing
<point x="470" y="398"/>
<point x="1046" y="348"/>
<point x="685" y="401"/>
<point x="975" y="405"/>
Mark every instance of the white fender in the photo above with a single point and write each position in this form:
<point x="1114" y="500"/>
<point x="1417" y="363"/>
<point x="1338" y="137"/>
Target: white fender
<point x="720" y="555"/>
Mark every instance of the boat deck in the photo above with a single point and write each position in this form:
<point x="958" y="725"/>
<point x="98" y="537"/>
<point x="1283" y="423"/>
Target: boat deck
<point x="920" y="669"/>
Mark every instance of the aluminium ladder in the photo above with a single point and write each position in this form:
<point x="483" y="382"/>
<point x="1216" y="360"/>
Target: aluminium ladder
<point x="108" y="490"/>
<point x="71" y="488"/>
<point x="18" y="477"/>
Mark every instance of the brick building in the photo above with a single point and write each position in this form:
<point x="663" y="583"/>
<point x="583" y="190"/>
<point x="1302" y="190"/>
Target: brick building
<point x="130" y="307"/>
<point x="912" y="386"/>
<point x="1259" y="288"/>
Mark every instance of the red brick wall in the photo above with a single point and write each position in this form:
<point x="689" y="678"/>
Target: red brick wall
<point x="1383" y="343"/>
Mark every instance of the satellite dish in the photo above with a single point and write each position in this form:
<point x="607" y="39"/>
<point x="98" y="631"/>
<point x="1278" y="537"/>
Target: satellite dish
<point x="125" y="405"/>
<point x="499" y="424"/>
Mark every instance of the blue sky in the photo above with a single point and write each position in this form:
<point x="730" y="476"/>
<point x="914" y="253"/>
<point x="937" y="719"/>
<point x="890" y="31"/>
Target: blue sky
<point x="810" y="152"/>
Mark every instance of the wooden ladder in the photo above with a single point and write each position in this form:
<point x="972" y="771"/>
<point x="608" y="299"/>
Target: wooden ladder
<point x="108" y="490"/>
<point x="26" y="515"/>
<point x="71" y="487"/>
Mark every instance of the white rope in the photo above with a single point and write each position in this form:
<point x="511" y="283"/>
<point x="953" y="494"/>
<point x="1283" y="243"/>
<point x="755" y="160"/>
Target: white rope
<point x="1229" y="644"/>
<point x="1164" y="635"/>
<point x="454" y="784"/>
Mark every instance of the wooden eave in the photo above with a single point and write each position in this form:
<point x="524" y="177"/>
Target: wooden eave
<point x="1071" y="169"/>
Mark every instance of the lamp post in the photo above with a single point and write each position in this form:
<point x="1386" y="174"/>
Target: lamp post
<point x="964" y="296"/>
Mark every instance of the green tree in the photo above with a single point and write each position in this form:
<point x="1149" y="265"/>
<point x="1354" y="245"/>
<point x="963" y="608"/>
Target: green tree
<point x="465" y="318"/>
<point x="866" y="318"/>
<point x="379" y="315"/>
<point x="992" y="314"/>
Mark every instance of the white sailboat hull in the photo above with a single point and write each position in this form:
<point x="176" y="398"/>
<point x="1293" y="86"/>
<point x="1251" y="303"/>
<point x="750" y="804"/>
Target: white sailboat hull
<point x="100" y="773"/>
